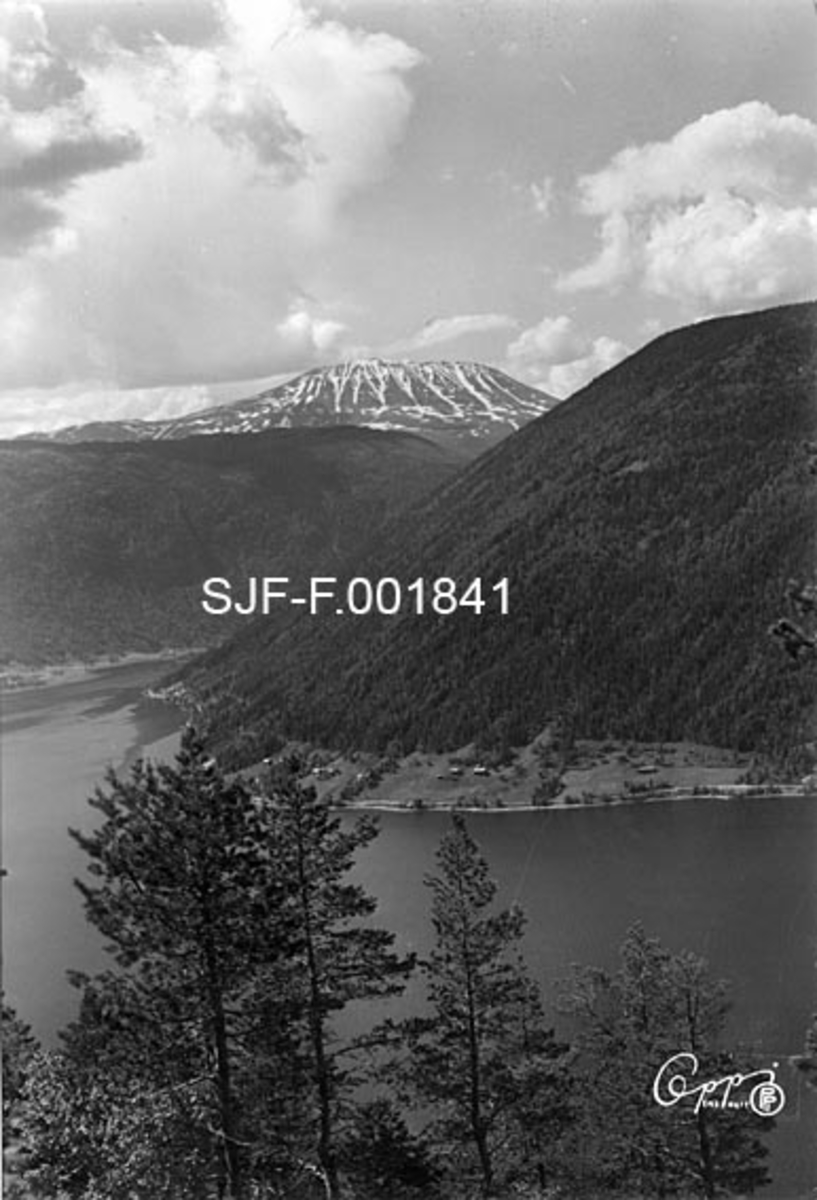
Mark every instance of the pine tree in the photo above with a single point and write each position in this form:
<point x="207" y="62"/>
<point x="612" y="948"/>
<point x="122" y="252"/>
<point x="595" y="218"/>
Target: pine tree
<point x="209" y="1056"/>
<point x="192" y="900"/>
<point x="482" y="1059"/>
<point x="655" y="1006"/>
<point x="384" y="1159"/>
<point x="342" y="958"/>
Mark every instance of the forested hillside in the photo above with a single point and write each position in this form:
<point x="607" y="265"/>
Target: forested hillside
<point x="647" y="528"/>
<point x="104" y="547"/>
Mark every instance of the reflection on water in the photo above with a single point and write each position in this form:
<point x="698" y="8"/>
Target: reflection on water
<point x="734" y="881"/>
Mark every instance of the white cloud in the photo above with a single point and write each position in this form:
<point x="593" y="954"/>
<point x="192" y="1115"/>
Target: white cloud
<point x="725" y="251"/>
<point x="554" y="339"/>
<point x="185" y="263"/>
<point x="42" y="410"/>
<point x="33" y="75"/>
<point x="563" y="379"/>
<point x="615" y="262"/>
<point x="51" y="136"/>
<point x="310" y="335"/>
<point x="558" y="357"/>
<point x="447" y="329"/>
<point x="751" y="149"/>
<point x="722" y="215"/>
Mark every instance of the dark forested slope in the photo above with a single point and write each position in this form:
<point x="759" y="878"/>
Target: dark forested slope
<point x="647" y="527"/>
<point x="104" y="547"/>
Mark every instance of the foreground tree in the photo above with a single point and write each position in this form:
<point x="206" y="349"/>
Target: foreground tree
<point x="629" y="1023"/>
<point x="341" y="959"/>
<point x="482" y="1059"/>
<point x="19" y="1048"/>
<point x="382" y="1158"/>
<point x="206" y="1065"/>
<point x="192" y="900"/>
<point x="92" y="1135"/>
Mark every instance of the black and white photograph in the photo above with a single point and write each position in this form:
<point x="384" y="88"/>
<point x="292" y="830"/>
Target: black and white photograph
<point x="408" y="599"/>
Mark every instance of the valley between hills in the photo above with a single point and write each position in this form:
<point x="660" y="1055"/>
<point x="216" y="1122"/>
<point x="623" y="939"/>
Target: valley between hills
<point x="653" y="528"/>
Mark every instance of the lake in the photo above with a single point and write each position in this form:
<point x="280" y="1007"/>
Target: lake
<point x="731" y="880"/>
<point x="57" y="742"/>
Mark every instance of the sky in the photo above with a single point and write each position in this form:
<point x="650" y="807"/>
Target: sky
<point x="200" y="198"/>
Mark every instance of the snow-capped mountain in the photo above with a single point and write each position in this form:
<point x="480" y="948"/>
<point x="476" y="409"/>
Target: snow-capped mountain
<point x="448" y="401"/>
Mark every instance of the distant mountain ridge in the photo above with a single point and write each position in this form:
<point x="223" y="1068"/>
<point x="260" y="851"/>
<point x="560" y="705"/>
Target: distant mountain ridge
<point x="464" y="403"/>
<point x="647" y="527"/>
<point x="105" y="547"/>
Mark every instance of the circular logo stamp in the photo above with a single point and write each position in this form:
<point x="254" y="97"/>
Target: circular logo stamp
<point x="767" y="1099"/>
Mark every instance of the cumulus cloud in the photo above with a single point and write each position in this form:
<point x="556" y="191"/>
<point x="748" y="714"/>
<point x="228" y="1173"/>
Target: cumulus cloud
<point x="50" y="134"/>
<point x="554" y="339"/>
<point x="208" y="205"/>
<point x="52" y="165"/>
<point x="448" y="329"/>
<point x="43" y="411"/>
<point x="726" y="250"/>
<point x="563" y="379"/>
<point x="722" y="215"/>
<point x="558" y="357"/>
<point x="311" y="335"/>
<point x="33" y="75"/>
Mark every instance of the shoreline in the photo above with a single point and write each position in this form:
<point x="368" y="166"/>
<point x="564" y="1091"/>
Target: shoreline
<point x="30" y="679"/>
<point x="25" y="678"/>
<point x="791" y="791"/>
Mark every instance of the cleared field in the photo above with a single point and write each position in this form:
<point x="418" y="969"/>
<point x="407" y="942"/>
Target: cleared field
<point x="597" y="772"/>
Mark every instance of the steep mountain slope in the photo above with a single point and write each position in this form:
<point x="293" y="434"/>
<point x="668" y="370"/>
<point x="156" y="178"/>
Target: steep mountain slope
<point x="104" y="548"/>
<point x="647" y="528"/>
<point x="464" y="404"/>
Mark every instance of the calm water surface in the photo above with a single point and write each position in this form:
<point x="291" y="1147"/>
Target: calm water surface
<point x="734" y="882"/>
<point x="57" y="742"/>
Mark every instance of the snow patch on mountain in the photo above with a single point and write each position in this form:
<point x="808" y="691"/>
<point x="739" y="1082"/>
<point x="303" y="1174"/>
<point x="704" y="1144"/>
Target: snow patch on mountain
<point x="465" y="399"/>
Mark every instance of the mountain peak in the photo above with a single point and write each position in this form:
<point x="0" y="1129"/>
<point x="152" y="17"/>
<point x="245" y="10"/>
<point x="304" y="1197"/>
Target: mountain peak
<point x="467" y="398"/>
<point x="448" y="401"/>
